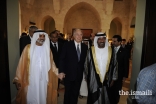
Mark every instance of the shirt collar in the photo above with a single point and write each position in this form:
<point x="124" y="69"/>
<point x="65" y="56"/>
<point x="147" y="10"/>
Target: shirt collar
<point x="30" y="36"/>
<point x="54" y="43"/>
<point x="117" y="48"/>
<point x="77" y="43"/>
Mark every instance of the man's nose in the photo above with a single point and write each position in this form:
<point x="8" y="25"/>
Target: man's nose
<point x="102" y="40"/>
<point x="42" y="37"/>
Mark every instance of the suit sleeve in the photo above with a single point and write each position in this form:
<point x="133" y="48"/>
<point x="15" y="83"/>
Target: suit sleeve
<point x="126" y="64"/>
<point x="53" y="66"/>
<point x="22" y="65"/>
<point x="62" y="59"/>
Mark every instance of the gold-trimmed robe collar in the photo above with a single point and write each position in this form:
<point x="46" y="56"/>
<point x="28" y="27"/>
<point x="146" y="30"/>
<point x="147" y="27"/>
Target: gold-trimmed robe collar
<point x="96" y="64"/>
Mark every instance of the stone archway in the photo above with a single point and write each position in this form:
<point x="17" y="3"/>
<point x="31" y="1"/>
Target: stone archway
<point x="48" y="24"/>
<point x="82" y="15"/>
<point x="115" y="28"/>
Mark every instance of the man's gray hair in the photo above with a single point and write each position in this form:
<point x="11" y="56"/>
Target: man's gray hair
<point x="32" y="28"/>
<point x="75" y="30"/>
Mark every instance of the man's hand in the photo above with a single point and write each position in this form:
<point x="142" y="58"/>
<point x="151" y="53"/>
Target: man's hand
<point x="124" y="79"/>
<point x="18" y="85"/>
<point x="61" y="76"/>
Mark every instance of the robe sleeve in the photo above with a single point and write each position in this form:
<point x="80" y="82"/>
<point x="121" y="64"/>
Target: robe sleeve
<point x="53" y="66"/>
<point x="86" y="64"/>
<point x="23" y="66"/>
<point x="53" y="83"/>
<point x="22" y="76"/>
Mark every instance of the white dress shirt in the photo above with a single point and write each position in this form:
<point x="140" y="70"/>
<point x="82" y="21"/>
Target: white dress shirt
<point x="54" y="45"/>
<point x="77" y="44"/>
<point x="117" y="48"/>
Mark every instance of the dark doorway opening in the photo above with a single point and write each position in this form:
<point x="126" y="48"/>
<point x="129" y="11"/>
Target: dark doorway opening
<point x="86" y="33"/>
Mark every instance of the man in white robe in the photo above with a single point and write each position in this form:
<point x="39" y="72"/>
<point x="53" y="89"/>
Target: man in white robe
<point x="96" y="68"/>
<point x="36" y="75"/>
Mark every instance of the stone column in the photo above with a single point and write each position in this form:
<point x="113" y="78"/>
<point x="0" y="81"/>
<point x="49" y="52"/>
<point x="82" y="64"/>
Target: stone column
<point x="13" y="41"/>
<point x="137" y="48"/>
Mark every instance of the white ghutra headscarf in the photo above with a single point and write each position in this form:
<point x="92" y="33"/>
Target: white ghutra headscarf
<point x="101" y="54"/>
<point x="46" y="51"/>
<point x="98" y="35"/>
<point x="39" y="67"/>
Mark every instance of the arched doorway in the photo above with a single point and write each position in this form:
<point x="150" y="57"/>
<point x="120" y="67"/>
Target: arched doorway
<point x="83" y="16"/>
<point x="115" y="28"/>
<point x="48" y="24"/>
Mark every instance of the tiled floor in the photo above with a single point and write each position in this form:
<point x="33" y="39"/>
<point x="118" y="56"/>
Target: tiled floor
<point x="123" y="98"/>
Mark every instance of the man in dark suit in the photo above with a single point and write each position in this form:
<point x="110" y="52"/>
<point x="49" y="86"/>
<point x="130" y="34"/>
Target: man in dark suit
<point x="60" y="37"/>
<point x="55" y="46"/>
<point x="123" y="44"/>
<point x="71" y="66"/>
<point x="27" y="39"/>
<point x="123" y="69"/>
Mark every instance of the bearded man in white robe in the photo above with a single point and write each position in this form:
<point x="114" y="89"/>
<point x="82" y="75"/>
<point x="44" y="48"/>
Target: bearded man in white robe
<point x="97" y="69"/>
<point x="37" y="76"/>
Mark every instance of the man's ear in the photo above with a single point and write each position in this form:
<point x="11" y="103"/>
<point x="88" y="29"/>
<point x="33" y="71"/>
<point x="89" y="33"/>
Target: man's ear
<point x="120" y="42"/>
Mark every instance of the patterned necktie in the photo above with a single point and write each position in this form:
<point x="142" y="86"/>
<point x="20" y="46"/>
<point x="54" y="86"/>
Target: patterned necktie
<point x="123" y="46"/>
<point x="115" y="71"/>
<point x="55" y="46"/>
<point x="78" y="52"/>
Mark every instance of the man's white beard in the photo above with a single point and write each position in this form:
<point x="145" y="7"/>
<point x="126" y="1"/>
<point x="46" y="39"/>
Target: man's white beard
<point x="41" y="42"/>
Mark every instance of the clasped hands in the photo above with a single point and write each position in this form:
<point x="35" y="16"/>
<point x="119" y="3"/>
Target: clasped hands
<point x="18" y="85"/>
<point x="61" y="76"/>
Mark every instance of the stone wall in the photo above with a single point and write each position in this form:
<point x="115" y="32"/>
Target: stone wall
<point x="87" y="14"/>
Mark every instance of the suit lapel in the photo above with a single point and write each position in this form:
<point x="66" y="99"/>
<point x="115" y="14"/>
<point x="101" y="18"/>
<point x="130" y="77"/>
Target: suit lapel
<point x="119" y="51"/>
<point x="50" y="44"/>
<point x="53" y="48"/>
<point x="29" y="39"/>
<point x="81" y="51"/>
<point x="58" y="49"/>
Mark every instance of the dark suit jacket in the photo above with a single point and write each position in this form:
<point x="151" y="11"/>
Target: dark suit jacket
<point x="123" y="69"/>
<point x="123" y="63"/>
<point x="69" y="61"/>
<point x="61" y="40"/>
<point x="56" y="54"/>
<point x="23" y="42"/>
<point x="90" y="42"/>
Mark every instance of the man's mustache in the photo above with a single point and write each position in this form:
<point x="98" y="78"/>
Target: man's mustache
<point x="41" y="41"/>
<point x="102" y="42"/>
